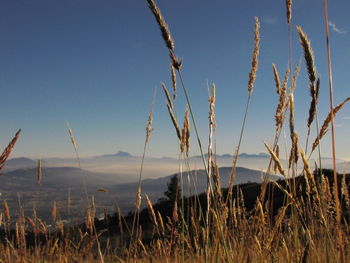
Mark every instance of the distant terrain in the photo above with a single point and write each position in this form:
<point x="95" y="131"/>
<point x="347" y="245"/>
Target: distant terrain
<point x="127" y="166"/>
<point x="112" y="180"/>
<point x="109" y="190"/>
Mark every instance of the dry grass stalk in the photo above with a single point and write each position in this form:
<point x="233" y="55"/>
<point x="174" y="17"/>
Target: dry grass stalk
<point x="327" y="121"/>
<point x="279" y="220"/>
<point x="344" y="191"/>
<point x="310" y="65"/>
<point x="291" y="114"/>
<point x="277" y="152"/>
<point x="161" y="223"/>
<point x="32" y="225"/>
<point x="167" y="95"/>
<point x="326" y="189"/>
<point x="307" y="168"/>
<point x="89" y="220"/>
<point x="212" y="100"/>
<point x="149" y="128"/>
<point x="71" y="137"/>
<point x="311" y="179"/>
<point x="152" y="213"/>
<point x="173" y="119"/>
<point x="6" y="153"/>
<point x="60" y="227"/>
<point x="185" y="134"/>
<point x="42" y="226"/>
<point x="54" y="211"/>
<point x="6" y="212"/>
<point x="1" y="219"/>
<point x="335" y="176"/>
<point x="295" y="76"/>
<point x="138" y="198"/>
<point x="176" y="62"/>
<point x="308" y="55"/>
<point x="262" y="214"/>
<point x="40" y="173"/>
<point x="289" y="11"/>
<point x="169" y="42"/>
<point x="162" y="25"/>
<point x="314" y="93"/>
<point x="170" y="107"/>
<point x="17" y="234"/>
<point x="294" y="136"/>
<point x="216" y="180"/>
<point x="120" y="224"/>
<point x="173" y="79"/>
<point x="276" y="160"/>
<point x="175" y="210"/>
<point x="282" y="105"/>
<point x="255" y="61"/>
<point x="296" y="150"/>
<point x="277" y="79"/>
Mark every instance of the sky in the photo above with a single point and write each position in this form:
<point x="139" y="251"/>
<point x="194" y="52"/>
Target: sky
<point x="95" y="64"/>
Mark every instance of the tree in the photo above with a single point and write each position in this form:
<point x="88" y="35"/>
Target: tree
<point x="173" y="191"/>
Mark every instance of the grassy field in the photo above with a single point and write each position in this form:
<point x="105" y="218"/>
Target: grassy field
<point x="304" y="218"/>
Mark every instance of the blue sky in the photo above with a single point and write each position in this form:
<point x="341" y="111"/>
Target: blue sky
<point x="95" y="64"/>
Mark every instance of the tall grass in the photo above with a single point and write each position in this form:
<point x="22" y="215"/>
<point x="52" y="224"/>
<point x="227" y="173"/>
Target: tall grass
<point x="303" y="218"/>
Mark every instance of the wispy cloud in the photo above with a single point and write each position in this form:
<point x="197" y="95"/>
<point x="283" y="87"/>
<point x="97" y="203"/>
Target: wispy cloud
<point x="346" y="118"/>
<point x="270" y="20"/>
<point x="336" y="29"/>
<point x="338" y="125"/>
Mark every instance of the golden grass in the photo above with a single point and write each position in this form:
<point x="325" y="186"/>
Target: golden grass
<point x="6" y="153"/>
<point x="327" y="122"/>
<point x="305" y="228"/>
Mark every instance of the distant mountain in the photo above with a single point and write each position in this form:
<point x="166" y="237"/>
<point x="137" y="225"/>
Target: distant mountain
<point x="195" y="179"/>
<point x="17" y="163"/>
<point x="118" y="154"/>
<point x="259" y="155"/>
<point x="242" y="155"/>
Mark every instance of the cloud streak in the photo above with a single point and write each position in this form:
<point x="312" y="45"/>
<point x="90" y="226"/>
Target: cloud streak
<point x="270" y="20"/>
<point x="336" y="29"/>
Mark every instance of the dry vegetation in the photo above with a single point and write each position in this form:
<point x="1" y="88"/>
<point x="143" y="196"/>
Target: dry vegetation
<point x="304" y="218"/>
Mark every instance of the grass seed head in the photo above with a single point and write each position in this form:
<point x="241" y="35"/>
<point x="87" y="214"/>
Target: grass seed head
<point x="173" y="79"/>
<point x="282" y="104"/>
<point x="326" y="123"/>
<point x="308" y="55"/>
<point x="6" y="153"/>
<point x="169" y="42"/>
<point x="54" y="211"/>
<point x="277" y="79"/>
<point x="289" y="11"/>
<point x="275" y="168"/>
<point x="174" y="121"/>
<point x="6" y="212"/>
<point x="314" y="92"/>
<point x="185" y="134"/>
<point x="149" y="128"/>
<point x="40" y="173"/>
<point x="255" y="60"/>
<point x="167" y="95"/>
<point x="295" y="76"/>
<point x="276" y="160"/>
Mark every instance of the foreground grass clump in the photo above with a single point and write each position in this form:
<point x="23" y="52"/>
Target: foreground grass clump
<point x="303" y="218"/>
